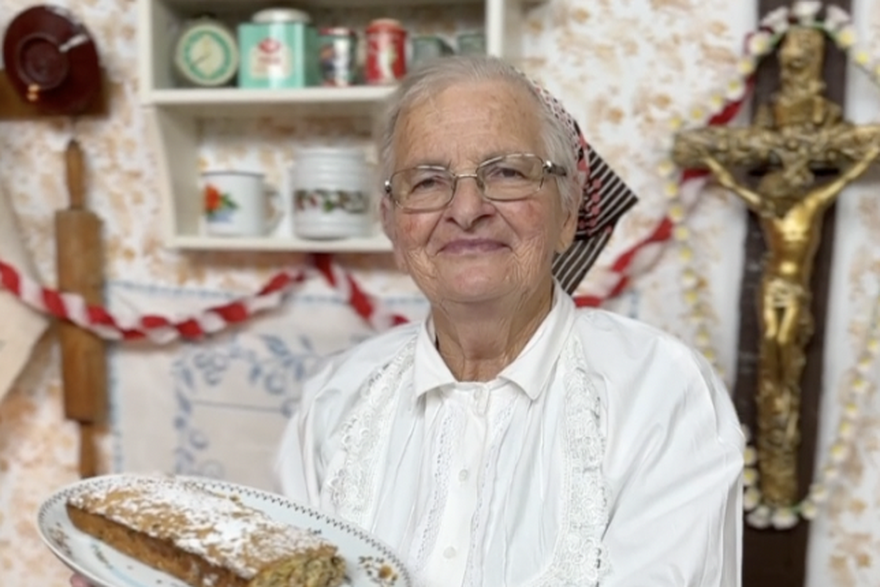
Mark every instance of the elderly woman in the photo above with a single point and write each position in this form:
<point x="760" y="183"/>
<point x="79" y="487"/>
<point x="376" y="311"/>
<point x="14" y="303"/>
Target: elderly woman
<point x="509" y="438"/>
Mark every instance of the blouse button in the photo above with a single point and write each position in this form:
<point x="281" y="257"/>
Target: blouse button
<point x="449" y="552"/>
<point x="463" y="475"/>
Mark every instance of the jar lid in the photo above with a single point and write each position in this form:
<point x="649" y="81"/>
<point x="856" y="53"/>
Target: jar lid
<point x="337" y="30"/>
<point x="330" y="151"/>
<point x="384" y="24"/>
<point x="270" y="15"/>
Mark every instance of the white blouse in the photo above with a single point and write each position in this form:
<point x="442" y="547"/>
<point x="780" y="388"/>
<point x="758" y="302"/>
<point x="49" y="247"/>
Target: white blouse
<point x="607" y="454"/>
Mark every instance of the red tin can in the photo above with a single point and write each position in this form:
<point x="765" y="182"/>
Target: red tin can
<point x="386" y="52"/>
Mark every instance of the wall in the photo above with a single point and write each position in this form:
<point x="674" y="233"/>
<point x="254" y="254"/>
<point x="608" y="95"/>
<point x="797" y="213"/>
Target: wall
<point x="625" y="69"/>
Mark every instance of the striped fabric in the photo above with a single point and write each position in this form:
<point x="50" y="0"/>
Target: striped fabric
<point x="605" y="199"/>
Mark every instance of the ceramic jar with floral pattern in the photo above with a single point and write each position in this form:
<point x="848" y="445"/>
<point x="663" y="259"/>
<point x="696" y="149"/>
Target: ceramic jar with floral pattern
<point x="331" y="192"/>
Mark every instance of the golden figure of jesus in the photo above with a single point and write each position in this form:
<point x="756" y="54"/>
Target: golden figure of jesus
<point x="791" y="224"/>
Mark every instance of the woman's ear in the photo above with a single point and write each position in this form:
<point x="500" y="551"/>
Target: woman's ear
<point x="386" y="213"/>
<point x="569" y="224"/>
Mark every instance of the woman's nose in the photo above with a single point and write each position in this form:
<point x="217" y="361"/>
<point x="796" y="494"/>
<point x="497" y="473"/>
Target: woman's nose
<point x="468" y="204"/>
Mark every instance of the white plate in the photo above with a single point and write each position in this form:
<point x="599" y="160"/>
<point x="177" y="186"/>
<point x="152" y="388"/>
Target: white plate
<point x="106" y="567"/>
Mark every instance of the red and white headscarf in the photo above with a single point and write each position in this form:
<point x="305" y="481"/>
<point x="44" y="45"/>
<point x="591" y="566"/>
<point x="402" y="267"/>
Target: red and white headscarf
<point x="605" y="198"/>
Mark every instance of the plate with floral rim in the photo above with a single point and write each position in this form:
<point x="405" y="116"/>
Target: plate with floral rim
<point x="369" y="562"/>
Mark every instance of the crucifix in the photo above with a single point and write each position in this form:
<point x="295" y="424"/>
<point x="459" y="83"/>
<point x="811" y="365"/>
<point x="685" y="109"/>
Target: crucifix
<point x="805" y="153"/>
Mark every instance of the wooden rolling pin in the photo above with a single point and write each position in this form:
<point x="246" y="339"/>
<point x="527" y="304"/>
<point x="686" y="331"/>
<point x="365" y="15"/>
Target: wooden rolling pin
<point x="79" y="259"/>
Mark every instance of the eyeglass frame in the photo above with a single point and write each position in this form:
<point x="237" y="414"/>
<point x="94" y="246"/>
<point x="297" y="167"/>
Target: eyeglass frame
<point x="547" y="167"/>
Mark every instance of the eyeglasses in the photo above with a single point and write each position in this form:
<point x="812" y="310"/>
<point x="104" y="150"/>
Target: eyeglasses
<point x="510" y="177"/>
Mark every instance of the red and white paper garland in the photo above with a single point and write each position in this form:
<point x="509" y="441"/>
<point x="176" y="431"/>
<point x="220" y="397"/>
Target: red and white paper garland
<point x="162" y="329"/>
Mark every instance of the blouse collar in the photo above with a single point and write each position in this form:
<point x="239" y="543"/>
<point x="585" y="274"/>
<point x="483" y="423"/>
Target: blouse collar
<point x="530" y="371"/>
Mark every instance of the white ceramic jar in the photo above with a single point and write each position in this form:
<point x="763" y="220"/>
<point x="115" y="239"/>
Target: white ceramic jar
<point x="331" y="189"/>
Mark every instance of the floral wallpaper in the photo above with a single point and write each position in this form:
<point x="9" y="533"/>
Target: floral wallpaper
<point x="624" y="69"/>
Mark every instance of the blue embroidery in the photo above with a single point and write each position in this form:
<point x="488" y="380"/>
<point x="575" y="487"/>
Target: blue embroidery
<point x="275" y="369"/>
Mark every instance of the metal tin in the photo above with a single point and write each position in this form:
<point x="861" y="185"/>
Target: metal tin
<point x="386" y="52"/>
<point x="472" y="43"/>
<point x="338" y="56"/>
<point x="427" y="47"/>
<point x="277" y="50"/>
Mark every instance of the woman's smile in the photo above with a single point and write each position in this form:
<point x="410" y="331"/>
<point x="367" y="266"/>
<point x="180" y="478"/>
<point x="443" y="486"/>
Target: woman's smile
<point x="472" y="246"/>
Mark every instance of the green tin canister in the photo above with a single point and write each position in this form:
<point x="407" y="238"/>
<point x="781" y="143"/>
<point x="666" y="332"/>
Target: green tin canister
<point x="472" y="43"/>
<point x="428" y="47"/>
<point x="279" y="49"/>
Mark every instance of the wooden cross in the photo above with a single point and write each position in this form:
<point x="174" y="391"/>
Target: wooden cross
<point x="798" y="136"/>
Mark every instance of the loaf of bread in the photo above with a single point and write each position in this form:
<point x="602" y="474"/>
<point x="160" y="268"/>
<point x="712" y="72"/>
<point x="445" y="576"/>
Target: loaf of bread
<point x="202" y="538"/>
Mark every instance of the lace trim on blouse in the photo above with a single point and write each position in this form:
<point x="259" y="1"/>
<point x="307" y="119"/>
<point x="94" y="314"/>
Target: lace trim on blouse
<point x="579" y="557"/>
<point x="429" y="527"/>
<point x="364" y="438"/>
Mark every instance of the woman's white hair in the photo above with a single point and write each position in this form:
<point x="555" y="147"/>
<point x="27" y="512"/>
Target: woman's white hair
<point x="435" y="76"/>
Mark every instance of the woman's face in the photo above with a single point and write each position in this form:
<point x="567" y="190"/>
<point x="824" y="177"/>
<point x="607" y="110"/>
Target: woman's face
<point x="476" y="250"/>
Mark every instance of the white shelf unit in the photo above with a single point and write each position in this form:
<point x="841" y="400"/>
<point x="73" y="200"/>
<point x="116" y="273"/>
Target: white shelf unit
<point x="174" y="115"/>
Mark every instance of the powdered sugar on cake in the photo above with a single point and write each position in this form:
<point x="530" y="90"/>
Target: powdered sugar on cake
<point x="215" y="527"/>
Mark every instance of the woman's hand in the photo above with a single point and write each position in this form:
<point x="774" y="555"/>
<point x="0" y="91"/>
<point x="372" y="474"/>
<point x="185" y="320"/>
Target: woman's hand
<point x="79" y="581"/>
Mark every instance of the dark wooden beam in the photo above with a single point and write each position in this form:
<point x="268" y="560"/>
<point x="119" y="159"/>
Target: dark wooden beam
<point x="775" y="558"/>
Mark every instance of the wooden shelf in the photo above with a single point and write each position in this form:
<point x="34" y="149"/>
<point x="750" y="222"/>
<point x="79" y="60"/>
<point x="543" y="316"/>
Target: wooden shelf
<point x="375" y="244"/>
<point x="235" y="102"/>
